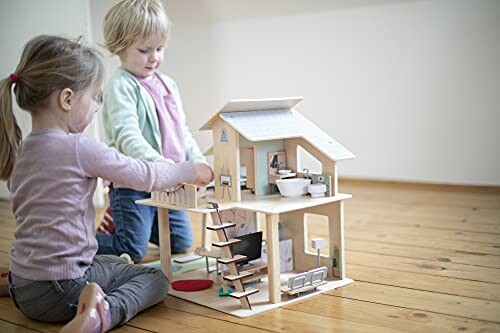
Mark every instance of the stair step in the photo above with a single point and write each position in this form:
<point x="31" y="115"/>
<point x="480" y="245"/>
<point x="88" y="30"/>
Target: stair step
<point x="240" y="294"/>
<point x="221" y="226"/>
<point x="237" y="277"/>
<point x="236" y="258"/>
<point x="229" y="242"/>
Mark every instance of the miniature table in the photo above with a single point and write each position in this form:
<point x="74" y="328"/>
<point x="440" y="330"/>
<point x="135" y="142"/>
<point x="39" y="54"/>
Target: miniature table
<point x="276" y="209"/>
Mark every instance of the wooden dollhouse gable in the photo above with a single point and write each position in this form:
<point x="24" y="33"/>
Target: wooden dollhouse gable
<point x="275" y="118"/>
<point x="243" y="105"/>
<point x="282" y="124"/>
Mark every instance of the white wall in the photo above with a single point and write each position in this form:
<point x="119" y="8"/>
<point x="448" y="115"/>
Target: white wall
<point x="411" y="87"/>
<point x="22" y="20"/>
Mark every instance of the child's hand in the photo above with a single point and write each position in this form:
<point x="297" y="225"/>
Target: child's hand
<point x="204" y="174"/>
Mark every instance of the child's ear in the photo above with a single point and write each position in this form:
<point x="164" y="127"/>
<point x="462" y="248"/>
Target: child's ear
<point x="66" y="97"/>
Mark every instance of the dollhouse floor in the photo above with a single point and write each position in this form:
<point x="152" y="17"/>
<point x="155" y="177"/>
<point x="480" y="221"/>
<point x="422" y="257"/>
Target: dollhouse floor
<point x="259" y="301"/>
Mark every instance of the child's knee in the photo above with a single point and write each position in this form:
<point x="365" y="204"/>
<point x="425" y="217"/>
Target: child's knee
<point x="182" y="243"/>
<point x="136" y="254"/>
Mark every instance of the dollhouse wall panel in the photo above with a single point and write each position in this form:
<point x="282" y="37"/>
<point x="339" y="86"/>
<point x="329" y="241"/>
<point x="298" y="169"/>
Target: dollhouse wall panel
<point x="329" y="167"/>
<point x="226" y="162"/>
<point x="279" y="124"/>
<point x="293" y="227"/>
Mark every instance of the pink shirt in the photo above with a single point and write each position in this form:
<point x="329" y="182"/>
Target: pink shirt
<point x="172" y="141"/>
<point x="52" y="186"/>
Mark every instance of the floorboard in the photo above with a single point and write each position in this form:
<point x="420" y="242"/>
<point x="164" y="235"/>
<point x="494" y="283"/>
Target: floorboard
<point x="424" y="257"/>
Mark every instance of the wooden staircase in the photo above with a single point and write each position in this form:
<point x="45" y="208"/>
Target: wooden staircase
<point x="230" y="260"/>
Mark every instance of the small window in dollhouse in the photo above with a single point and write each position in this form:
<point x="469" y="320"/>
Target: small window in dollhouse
<point x="306" y="161"/>
<point x="223" y="136"/>
<point x="316" y="226"/>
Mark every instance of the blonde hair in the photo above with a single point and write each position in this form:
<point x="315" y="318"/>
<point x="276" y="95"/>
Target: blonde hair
<point x="48" y="63"/>
<point x="130" y="21"/>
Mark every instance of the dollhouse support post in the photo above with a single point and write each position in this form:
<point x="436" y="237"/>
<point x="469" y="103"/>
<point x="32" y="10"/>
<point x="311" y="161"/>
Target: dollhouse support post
<point x="206" y="236"/>
<point x="336" y="231"/>
<point x="164" y="234"/>
<point x="273" y="257"/>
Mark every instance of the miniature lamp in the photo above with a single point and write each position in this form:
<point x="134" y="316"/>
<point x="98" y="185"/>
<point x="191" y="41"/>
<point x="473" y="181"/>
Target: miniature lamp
<point x="318" y="244"/>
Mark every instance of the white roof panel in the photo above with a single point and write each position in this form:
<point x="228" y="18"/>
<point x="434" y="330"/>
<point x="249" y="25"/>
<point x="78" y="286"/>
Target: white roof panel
<point x="237" y="105"/>
<point x="284" y="123"/>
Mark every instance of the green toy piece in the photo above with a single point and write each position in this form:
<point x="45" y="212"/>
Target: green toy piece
<point x="335" y="261"/>
<point x="223" y="293"/>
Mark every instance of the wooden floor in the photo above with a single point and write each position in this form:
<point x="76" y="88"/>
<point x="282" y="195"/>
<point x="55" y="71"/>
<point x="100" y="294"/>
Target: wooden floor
<point x="424" y="258"/>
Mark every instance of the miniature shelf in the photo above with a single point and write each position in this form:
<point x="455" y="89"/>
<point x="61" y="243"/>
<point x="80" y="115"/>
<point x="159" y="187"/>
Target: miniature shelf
<point x="240" y="294"/>
<point x="229" y="242"/>
<point x="221" y="226"/>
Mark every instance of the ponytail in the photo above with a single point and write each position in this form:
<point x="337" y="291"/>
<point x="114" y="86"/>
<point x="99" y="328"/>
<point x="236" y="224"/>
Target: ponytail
<point x="10" y="133"/>
<point x="48" y="63"/>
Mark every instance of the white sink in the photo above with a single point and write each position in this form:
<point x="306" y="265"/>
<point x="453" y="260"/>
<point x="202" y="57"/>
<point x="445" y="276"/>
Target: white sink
<point x="293" y="187"/>
<point x="317" y="190"/>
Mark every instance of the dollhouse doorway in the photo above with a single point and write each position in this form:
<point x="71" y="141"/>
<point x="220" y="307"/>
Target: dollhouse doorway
<point x="247" y="166"/>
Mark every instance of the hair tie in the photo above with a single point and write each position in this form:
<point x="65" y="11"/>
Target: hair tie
<point x="13" y="77"/>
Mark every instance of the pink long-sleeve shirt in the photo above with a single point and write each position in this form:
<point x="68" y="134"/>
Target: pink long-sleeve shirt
<point x="52" y="187"/>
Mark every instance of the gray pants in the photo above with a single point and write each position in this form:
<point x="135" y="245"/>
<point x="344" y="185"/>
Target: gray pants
<point x="129" y="289"/>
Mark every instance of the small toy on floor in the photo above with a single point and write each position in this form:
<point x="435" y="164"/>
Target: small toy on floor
<point x="191" y="285"/>
<point x="187" y="258"/>
<point x="224" y="290"/>
<point x="126" y="257"/>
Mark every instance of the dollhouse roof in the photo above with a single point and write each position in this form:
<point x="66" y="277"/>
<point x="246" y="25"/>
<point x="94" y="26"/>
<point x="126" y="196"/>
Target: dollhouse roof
<point x="272" y="119"/>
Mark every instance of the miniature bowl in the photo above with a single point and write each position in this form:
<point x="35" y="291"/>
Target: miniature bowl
<point x="284" y="172"/>
<point x="293" y="187"/>
<point x="317" y="190"/>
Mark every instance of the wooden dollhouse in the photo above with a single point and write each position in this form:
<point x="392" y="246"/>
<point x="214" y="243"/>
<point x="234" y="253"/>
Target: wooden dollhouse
<point x="264" y="138"/>
<point x="260" y="133"/>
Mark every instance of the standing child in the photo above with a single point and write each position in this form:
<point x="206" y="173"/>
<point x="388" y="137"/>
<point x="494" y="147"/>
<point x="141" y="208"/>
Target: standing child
<point x="144" y="119"/>
<point x="54" y="272"/>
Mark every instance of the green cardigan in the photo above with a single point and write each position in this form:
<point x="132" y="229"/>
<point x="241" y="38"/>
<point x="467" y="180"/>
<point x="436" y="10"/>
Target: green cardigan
<point x="130" y="120"/>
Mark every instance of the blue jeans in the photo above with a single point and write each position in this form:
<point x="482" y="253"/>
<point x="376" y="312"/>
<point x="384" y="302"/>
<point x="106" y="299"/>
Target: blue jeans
<point x="129" y="289"/>
<point x="136" y="225"/>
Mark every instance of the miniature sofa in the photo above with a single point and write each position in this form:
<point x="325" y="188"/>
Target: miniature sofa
<point x="306" y="281"/>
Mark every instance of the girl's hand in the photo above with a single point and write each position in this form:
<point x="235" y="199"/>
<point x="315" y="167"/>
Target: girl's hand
<point x="204" y="174"/>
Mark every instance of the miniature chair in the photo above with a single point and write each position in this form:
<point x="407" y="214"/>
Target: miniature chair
<point x="317" y="276"/>
<point x="298" y="281"/>
<point x="306" y="281"/>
